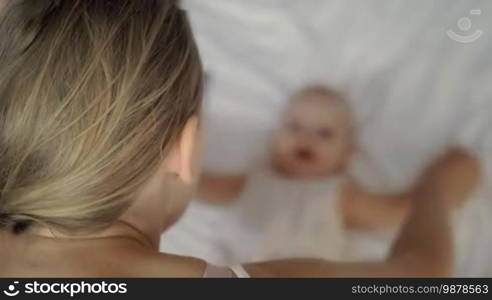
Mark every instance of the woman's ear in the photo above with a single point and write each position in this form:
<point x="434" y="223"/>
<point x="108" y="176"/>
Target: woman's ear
<point x="181" y="159"/>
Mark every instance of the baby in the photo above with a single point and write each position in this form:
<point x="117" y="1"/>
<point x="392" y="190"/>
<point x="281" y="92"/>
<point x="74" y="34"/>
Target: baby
<point x="300" y="200"/>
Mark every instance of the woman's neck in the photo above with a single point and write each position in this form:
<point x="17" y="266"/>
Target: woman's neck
<point x="120" y="229"/>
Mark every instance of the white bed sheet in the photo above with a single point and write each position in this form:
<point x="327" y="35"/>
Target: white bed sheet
<point x="413" y="89"/>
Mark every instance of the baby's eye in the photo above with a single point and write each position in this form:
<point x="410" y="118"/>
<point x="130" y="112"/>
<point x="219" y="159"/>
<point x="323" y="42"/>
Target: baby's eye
<point x="325" y="133"/>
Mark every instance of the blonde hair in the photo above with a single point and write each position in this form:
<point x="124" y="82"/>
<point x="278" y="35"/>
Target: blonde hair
<point x="92" y="93"/>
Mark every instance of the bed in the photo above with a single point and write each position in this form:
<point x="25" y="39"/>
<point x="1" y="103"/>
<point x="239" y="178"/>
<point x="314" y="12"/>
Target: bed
<point x="415" y="87"/>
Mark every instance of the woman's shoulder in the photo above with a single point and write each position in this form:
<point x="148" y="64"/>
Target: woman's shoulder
<point x="46" y="257"/>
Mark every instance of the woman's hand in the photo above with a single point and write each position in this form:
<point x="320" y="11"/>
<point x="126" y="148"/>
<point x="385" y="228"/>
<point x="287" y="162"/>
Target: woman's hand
<point x="452" y="178"/>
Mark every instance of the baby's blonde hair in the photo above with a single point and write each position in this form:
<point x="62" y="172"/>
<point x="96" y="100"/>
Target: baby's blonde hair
<point x="92" y="93"/>
<point x="323" y="90"/>
<point x="332" y="95"/>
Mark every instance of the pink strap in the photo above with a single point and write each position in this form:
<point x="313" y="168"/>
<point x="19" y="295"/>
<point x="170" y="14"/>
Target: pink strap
<point x="239" y="271"/>
<point x="236" y="271"/>
<point x="212" y="271"/>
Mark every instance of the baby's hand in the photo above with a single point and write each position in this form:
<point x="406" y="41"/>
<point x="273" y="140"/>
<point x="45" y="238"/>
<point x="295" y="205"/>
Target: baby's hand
<point x="452" y="177"/>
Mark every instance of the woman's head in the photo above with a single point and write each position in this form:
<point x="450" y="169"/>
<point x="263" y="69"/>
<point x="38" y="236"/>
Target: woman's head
<point x="94" y="95"/>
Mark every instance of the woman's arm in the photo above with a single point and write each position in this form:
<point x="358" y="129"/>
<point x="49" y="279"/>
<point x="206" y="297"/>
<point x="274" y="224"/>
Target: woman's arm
<point x="221" y="189"/>
<point x="424" y="246"/>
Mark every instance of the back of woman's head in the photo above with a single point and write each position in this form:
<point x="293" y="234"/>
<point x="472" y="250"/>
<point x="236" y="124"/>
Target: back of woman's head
<point x="92" y="93"/>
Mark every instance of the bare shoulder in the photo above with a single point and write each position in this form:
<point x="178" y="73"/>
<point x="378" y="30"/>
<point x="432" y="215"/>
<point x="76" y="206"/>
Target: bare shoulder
<point x="28" y="256"/>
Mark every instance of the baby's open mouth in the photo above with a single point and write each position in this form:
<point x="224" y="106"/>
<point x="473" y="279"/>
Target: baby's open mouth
<point x="304" y="155"/>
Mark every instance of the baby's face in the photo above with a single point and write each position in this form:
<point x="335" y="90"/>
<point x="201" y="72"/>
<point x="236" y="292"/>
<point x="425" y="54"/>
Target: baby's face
<point x="314" y="139"/>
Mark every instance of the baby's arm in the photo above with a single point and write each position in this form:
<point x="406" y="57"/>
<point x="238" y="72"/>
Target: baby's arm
<point x="424" y="246"/>
<point x="221" y="189"/>
<point x="363" y="210"/>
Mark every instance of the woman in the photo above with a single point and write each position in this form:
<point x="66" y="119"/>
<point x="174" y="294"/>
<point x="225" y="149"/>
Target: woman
<point x="100" y="150"/>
